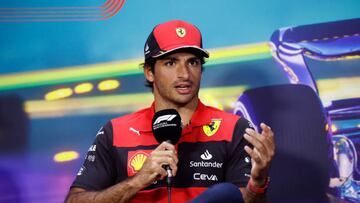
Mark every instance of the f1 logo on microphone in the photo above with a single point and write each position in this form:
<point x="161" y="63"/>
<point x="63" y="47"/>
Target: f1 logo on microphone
<point x="164" y="118"/>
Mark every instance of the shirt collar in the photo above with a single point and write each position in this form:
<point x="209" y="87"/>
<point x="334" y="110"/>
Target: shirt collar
<point x="200" y="117"/>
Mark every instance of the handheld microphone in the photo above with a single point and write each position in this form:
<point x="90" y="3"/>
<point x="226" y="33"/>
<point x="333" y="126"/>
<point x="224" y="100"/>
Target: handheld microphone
<point x="166" y="126"/>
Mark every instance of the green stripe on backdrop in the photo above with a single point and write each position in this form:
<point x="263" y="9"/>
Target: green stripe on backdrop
<point x="123" y="68"/>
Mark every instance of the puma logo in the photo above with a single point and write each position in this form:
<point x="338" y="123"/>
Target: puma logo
<point x="135" y="131"/>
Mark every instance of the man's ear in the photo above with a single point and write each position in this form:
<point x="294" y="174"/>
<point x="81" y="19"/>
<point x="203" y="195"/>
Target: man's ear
<point x="149" y="75"/>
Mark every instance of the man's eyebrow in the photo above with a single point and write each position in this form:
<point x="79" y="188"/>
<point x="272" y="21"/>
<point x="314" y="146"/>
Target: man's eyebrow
<point x="170" y="58"/>
<point x="173" y="58"/>
<point x="194" y="58"/>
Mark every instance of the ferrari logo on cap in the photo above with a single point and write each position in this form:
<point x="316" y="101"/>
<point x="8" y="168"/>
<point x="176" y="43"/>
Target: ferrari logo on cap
<point x="212" y="128"/>
<point x="181" y="32"/>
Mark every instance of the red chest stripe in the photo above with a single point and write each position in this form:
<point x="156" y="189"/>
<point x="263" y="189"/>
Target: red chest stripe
<point x="123" y="137"/>
<point x="207" y="124"/>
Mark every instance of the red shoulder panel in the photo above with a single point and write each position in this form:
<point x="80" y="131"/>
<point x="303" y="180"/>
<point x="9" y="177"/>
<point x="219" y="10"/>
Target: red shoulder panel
<point x="207" y="124"/>
<point x="133" y="130"/>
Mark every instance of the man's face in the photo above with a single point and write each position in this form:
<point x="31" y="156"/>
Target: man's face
<point x="176" y="79"/>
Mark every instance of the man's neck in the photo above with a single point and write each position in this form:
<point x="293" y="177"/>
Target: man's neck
<point x="185" y="111"/>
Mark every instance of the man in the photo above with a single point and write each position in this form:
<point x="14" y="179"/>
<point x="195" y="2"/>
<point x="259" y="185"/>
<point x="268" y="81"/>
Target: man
<point x="126" y="163"/>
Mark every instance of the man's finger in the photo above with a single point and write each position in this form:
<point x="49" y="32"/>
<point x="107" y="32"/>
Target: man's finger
<point x="269" y="135"/>
<point x="162" y="173"/>
<point x="266" y="138"/>
<point x="263" y="147"/>
<point x="165" y="146"/>
<point x="253" y="154"/>
<point x="255" y="141"/>
<point x="166" y="153"/>
<point x="164" y="160"/>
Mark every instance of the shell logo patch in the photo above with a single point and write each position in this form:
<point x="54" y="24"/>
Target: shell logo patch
<point x="212" y="128"/>
<point x="181" y="32"/>
<point x="136" y="160"/>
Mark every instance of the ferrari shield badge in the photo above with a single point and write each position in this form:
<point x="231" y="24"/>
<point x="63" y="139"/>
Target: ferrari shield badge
<point x="211" y="128"/>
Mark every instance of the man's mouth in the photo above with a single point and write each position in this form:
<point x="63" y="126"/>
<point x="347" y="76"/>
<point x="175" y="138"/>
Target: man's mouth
<point x="183" y="88"/>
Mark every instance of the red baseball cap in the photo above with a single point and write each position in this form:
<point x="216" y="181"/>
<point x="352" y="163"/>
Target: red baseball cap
<point x="172" y="36"/>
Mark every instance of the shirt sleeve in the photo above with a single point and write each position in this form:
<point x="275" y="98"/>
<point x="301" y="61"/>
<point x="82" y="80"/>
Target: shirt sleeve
<point x="238" y="166"/>
<point x="98" y="170"/>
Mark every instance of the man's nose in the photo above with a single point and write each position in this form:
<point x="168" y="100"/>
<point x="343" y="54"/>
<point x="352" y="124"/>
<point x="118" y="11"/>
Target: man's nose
<point x="183" y="71"/>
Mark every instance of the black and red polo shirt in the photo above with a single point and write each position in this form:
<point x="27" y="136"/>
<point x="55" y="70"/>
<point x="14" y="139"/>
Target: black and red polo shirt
<point x="210" y="151"/>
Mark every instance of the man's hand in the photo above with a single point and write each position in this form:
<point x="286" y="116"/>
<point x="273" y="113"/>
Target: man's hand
<point x="262" y="153"/>
<point x="152" y="170"/>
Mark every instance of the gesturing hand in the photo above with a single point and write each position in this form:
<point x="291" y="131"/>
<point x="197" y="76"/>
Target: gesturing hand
<point x="152" y="170"/>
<point x="262" y="153"/>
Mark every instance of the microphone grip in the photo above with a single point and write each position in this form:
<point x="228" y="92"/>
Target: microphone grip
<point x="168" y="170"/>
<point x="169" y="176"/>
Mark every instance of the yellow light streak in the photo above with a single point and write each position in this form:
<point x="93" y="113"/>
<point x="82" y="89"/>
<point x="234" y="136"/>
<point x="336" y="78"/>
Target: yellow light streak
<point x="58" y="94"/>
<point x="239" y="51"/>
<point x="333" y="128"/>
<point x="83" y="88"/>
<point x="338" y="88"/>
<point x="69" y="74"/>
<point x="330" y="89"/>
<point x="66" y="156"/>
<point x="210" y="100"/>
<point x="107" y="85"/>
<point x="121" y="103"/>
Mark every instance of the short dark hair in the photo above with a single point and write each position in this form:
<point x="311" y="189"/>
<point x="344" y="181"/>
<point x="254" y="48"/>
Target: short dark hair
<point x="151" y="64"/>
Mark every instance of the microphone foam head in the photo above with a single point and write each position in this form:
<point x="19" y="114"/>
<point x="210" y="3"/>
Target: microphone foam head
<point x="166" y="126"/>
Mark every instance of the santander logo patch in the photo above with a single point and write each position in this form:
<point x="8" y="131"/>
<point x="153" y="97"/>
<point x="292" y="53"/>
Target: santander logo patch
<point x="206" y="155"/>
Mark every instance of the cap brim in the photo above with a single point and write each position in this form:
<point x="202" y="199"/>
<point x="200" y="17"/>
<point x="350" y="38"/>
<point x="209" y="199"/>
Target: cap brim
<point x="201" y="51"/>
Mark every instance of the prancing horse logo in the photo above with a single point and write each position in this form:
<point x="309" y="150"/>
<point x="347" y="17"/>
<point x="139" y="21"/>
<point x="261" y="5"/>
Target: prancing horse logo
<point x="212" y="128"/>
<point x="181" y="32"/>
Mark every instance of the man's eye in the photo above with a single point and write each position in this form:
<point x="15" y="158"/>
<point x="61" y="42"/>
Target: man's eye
<point x="169" y="63"/>
<point x="194" y="62"/>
